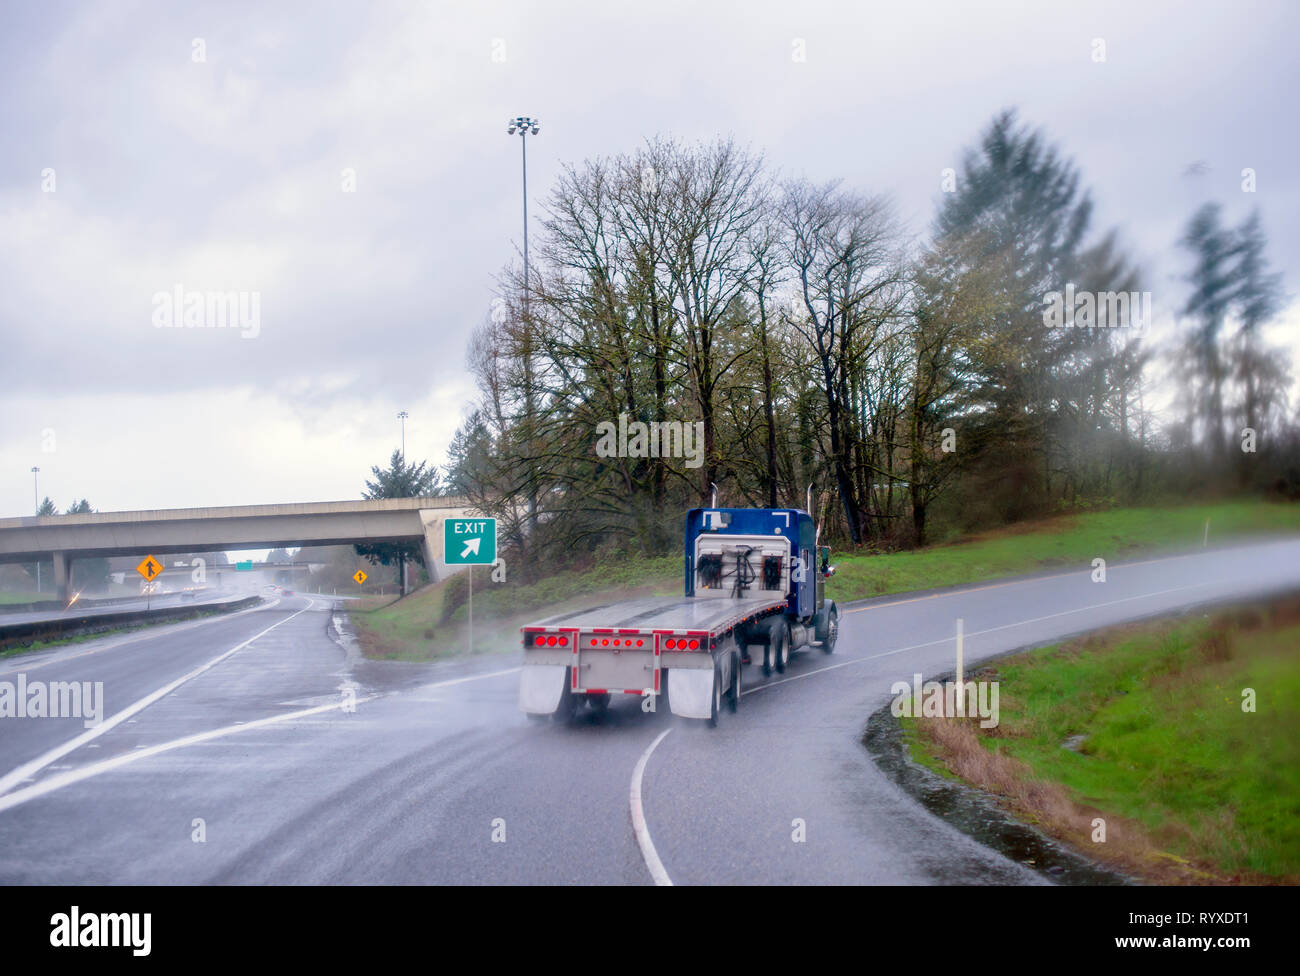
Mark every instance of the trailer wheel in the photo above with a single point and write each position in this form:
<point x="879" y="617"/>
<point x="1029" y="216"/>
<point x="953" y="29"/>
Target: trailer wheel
<point x="733" y="696"/>
<point x="779" y="645"/>
<point x="569" y="702"/>
<point x="832" y="630"/>
<point x="716" y="706"/>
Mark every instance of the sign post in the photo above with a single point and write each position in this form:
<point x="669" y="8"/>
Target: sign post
<point x="469" y="542"/>
<point x="150" y="569"/>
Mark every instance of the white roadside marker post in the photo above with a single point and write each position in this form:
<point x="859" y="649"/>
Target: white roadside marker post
<point x="961" y="708"/>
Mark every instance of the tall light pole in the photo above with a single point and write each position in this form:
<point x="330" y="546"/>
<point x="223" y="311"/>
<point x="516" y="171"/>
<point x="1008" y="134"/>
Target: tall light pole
<point x="36" y="507"/>
<point x="401" y="556"/>
<point x="525" y="126"/>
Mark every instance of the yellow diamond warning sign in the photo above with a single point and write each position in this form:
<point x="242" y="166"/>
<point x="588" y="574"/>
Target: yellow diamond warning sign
<point x="150" y="568"/>
<point x="359" y="576"/>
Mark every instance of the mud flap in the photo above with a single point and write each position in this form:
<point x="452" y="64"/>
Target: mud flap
<point x="540" y="687"/>
<point x="690" y="692"/>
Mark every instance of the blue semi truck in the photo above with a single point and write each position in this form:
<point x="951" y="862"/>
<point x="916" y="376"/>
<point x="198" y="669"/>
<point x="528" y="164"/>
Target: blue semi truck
<point x="754" y="590"/>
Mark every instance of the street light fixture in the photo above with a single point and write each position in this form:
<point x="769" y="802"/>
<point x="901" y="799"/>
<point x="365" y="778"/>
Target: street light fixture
<point x="36" y="507"/>
<point x="402" y="417"/>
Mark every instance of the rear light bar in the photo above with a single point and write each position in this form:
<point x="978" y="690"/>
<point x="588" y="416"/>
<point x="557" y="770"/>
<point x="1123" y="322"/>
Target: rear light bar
<point x="693" y="640"/>
<point x="682" y="644"/>
<point x="550" y="640"/>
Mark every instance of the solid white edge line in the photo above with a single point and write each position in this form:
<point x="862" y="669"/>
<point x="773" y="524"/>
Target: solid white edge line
<point x="976" y="633"/>
<point x="150" y="632"/>
<point x="30" y="768"/>
<point x="648" y="852"/>
<point x="469" y="677"/>
<point x="60" y="780"/>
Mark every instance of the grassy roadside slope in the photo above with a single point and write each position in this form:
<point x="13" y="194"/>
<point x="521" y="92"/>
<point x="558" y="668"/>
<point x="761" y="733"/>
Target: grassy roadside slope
<point x="1073" y="540"/>
<point x="413" y="629"/>
<point x="1144" y="726"/>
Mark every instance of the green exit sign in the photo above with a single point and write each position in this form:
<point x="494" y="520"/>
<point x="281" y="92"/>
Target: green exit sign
<point x="469" y="541"/>
<point x="245" y="567"/>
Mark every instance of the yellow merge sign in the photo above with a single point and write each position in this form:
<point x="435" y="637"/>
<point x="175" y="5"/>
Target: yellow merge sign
<point x="150" y="568"/>
<point x="359" y="576"/>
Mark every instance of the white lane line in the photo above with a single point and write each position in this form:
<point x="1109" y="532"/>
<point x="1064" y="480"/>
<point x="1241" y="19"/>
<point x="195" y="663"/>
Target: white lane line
<point x="151" y="632"/>
<point x="1015" y="582"/>
<point x="57" y="782"/>
<point x="470" y="677"/>
<point x="974" y="633"/>
<point x="29" y="769"/>
<point x="648" y="852"/>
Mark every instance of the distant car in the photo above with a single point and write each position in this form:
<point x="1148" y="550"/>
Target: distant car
<point x="287" y="592"/>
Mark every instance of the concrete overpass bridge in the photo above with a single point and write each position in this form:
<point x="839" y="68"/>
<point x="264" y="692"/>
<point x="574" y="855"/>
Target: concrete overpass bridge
<point x="64" y="538"/>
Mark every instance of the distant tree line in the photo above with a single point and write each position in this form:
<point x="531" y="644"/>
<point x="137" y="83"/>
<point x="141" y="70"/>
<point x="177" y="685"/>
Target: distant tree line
<point x="917" y="389"/>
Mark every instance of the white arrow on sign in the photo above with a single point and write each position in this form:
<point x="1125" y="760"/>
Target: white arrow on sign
<point x="471" y="545"/>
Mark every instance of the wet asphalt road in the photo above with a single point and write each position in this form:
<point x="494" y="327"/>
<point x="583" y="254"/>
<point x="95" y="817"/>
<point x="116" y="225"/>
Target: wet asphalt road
<point x="254" y="752"/>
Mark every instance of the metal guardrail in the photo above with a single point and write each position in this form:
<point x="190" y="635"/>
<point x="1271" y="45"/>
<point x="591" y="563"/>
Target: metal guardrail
<point x="60" y="605"/>
<point x="73" y="625"/>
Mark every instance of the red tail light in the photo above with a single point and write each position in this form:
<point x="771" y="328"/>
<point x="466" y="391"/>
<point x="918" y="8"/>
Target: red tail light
<point x="670" y="644"/>
<point x="695" y="645"/>
<point x="564" y="641"/>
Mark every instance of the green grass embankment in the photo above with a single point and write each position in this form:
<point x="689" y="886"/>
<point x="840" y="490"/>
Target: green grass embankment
<point x="1144" y="727"/>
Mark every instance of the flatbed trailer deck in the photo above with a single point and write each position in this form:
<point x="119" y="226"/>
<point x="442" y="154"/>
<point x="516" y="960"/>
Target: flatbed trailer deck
<point x="749" y="581"/>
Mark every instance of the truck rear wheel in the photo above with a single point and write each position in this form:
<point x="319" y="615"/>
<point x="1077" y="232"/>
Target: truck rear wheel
<point x="569" y="702"/>
<point x="716" y="704"/>
<point x="598" y="703"/>
<point x="733" y="696"/>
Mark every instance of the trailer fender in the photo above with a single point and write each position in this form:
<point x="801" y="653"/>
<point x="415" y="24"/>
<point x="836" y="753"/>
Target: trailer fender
<point x="541" y="687"/>
<point x="690" y="692"/>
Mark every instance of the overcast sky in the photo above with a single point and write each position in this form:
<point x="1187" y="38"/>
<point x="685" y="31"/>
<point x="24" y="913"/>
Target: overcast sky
<point x="226" y="173"/>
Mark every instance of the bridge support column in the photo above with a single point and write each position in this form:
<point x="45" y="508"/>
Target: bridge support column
<point x="61" y="566"/>
<point x="432" y="538"/>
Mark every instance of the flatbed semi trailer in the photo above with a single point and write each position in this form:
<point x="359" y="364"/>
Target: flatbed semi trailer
<point x="752" y="587"/>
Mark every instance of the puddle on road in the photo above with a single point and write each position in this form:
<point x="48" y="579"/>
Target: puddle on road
<point x="381" y="676"/>
<point x="975" y="814"/>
